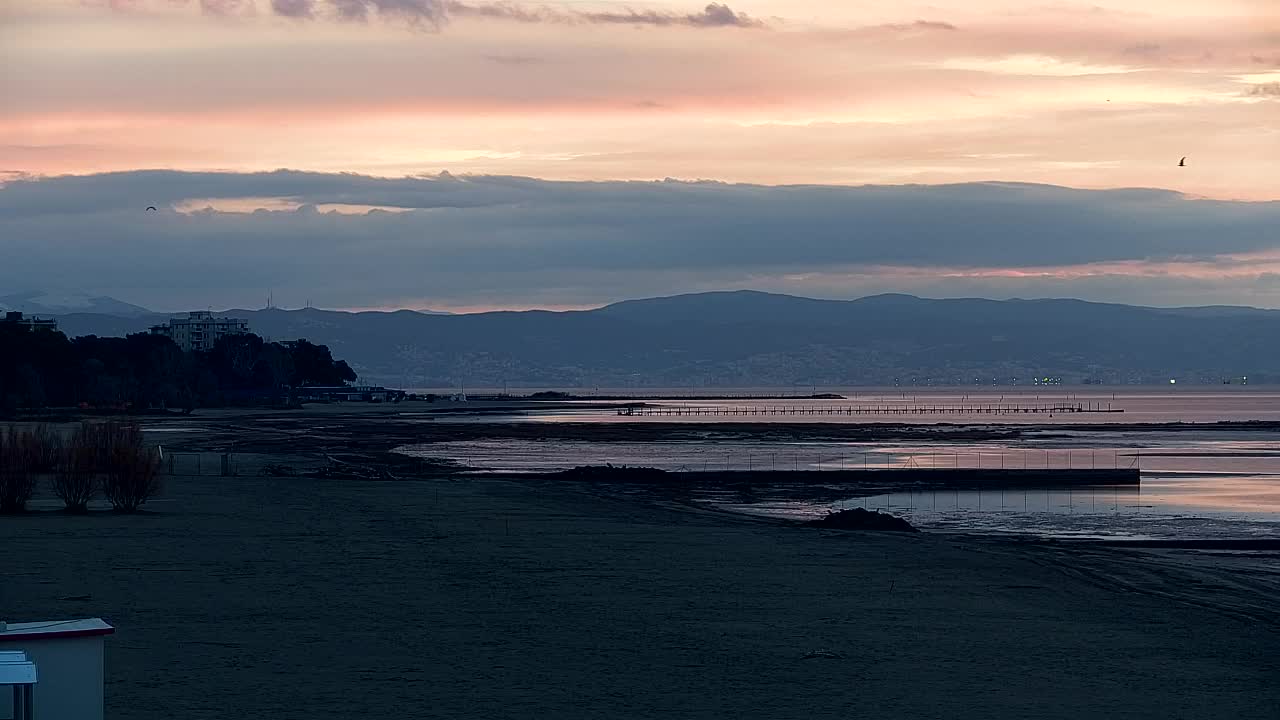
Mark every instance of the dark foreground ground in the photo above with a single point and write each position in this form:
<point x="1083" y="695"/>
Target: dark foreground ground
<point x="257" y="597"/>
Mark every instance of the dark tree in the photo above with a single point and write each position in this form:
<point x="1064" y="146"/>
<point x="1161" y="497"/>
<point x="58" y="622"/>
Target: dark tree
<point x="44" y="369"/>
<point x="314" y="365"/>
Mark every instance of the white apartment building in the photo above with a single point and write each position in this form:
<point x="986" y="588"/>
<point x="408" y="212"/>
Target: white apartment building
<point x="200" y="330"/>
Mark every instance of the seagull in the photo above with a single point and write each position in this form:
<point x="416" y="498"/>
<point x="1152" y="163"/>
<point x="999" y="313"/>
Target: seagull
<point x="1182" y="162"/>
<point x="151" y="208"/>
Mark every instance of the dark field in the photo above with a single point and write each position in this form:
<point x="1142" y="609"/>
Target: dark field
<point x="305" y="598"/>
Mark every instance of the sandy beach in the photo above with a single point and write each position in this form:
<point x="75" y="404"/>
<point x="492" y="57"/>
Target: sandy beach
<point x="304" y="598"/>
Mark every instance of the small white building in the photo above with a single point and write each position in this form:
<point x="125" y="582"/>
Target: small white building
<point x="68" y="658"/>
<point x="349" y="393"/>
<point x="200" y="330"/>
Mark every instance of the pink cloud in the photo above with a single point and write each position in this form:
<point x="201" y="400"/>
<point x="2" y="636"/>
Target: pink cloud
<point x="943" y="97"/>
<point x="435" y="13"/>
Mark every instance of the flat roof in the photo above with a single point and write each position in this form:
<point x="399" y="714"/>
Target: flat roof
<point x="55" y="629"/>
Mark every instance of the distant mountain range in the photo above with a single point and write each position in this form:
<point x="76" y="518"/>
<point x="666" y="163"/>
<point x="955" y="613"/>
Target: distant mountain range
<point x="737" y="339"/>
<point x="41" y="303"/>
<point x="37" y="302"/>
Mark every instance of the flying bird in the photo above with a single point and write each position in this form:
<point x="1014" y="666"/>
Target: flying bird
<point x="151" y="208"/>
<point x="1182" y="162"/>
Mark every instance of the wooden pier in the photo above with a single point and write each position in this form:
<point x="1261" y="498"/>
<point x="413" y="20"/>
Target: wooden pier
<point x="876" y="480"/>
<point x="854" y="410"/>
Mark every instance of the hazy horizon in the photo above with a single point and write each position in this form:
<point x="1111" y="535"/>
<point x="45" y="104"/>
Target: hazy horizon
<point x="76" y="301"/>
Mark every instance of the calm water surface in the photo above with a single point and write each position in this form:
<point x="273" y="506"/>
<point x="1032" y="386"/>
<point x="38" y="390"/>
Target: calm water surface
<point x="1195" y="484"/>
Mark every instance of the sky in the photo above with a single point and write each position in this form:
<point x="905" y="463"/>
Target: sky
<point x="468" y="155"/>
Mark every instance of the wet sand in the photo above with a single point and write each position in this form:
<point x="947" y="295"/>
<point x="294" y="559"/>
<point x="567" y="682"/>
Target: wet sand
<point x="303" y="598"/>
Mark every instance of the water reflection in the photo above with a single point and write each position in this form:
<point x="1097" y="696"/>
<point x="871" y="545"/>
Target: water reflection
<point x="1104" y="499"/>
<point x="1159" y="510"/>
<point x="1191" y="487"/>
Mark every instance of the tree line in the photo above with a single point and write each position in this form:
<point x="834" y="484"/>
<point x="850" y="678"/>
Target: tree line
<point x="43" y="369"/>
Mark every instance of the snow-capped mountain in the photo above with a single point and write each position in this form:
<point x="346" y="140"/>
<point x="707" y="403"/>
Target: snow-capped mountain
<point x="61" y="303"/>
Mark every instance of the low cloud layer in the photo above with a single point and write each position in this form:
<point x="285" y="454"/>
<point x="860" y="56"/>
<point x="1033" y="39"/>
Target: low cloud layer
<point x="437" y="12"/>
<point x="496" y="241"/>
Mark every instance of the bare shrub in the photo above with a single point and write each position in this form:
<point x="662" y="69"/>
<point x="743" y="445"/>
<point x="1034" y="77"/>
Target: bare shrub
<point x="45" y="447"/>
<point x="132" y="471"/>
<point x="75" y="480"/>
<point x="19" y="457"/>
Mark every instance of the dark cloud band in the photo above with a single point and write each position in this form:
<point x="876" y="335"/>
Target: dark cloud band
<point x="437" y="12"/>
<point x="511" y="238"/>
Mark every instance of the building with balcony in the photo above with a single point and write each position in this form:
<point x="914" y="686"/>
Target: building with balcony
<point x="30" y="323"/>
<point x="200" y="330"/>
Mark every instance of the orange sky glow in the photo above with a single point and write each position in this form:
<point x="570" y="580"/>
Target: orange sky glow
<point x="1085" y="94"/>
<point x="405" y="97"/>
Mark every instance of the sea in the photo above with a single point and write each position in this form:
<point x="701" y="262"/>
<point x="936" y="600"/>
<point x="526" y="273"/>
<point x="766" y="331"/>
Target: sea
<point x="1199" y="480"/>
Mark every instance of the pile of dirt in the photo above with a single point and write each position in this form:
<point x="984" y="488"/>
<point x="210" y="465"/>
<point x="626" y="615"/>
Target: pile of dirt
<point x="859" y="519"/>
